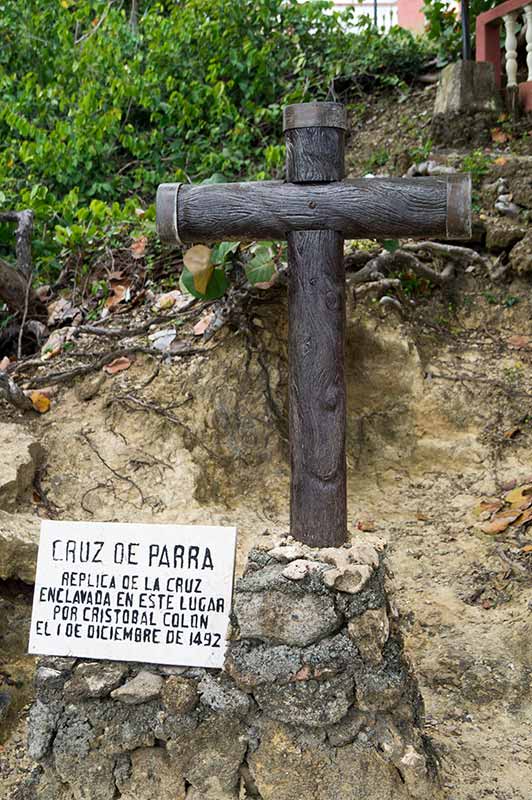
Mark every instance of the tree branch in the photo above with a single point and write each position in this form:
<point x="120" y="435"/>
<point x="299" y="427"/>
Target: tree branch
<point x="14" y="394"/>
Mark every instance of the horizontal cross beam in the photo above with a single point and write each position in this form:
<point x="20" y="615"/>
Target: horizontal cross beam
<point x="364" y="208"/>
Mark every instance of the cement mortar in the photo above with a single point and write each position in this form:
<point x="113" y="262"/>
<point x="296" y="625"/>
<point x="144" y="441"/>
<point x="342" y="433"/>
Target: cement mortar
<point x="322" y="704"/>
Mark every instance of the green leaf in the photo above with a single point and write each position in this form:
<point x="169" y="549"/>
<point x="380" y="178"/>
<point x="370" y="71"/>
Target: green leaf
<point x="216" y="287"/>
<point x="222" y="250"/>
<point x="217" y="177"/>
<point x="391" y="245"/>
<point x="261" y="268"/>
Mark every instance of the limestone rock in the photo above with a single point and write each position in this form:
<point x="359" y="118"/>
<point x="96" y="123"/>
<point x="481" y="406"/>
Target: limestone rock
<point x="20" y="456"/>
<point x="211" y="758"/>
<point x="90" y="777"/>
<point x="289" y="552"/>
<point x="222" y="696"/>
<point x="313" y="703"/>
<point x="284" y="618"/>
<point x="90" y="387"/>
<point x="19" y="542"/>
<point x="350" y="579"/>
<point x="370" y="632"/>
<point x="92" y="680"/>
<point x="521" y="256"/>
<point x="152" y="777"/>
<point x="143" y="687"/>
<point x="251" y="665"/>
<point x="502" y="236"/>
<point x="522" y="189"/>
<point x="300" y="568"/>
<point x="284" y="770"/>
<point x="179" y="695"/>
<point x="42" y="721"/>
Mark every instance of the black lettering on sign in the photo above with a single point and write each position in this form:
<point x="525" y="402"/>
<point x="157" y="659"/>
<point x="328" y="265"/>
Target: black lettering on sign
<point x="180" y="557"/>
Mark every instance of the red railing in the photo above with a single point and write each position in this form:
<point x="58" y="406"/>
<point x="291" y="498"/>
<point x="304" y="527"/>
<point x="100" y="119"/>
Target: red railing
<point x="489" y="44"/>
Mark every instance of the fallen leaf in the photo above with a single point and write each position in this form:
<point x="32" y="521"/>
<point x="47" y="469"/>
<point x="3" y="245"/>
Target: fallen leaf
<point x="119" y="292"/>
<point x="198" y="262"/>
<point x="525" y="517"/>
<point x="201" y="326"/>
<point x="60" y="310"/>
<point x="422" y="517"/>
<point x="500" y="522"/>
<point x="501" y="161"/>
<point x="520" y="496"/>
<point x="527" y="548"/>
<point x="41" y="402"/>
<point x="486" y="604"/>
<point x="366" y="525"/>
<point x="488" y="504"/>
<point x="162" y="340"/>
<point x="509" y="434"/>
<point x="118" y="365"/>
<point x="519" y="342"/>
<point x="116" y="275"/>
<point x="4" y="363"/>
<point x="138" y="248"/>
<point x="169" y="300"/>
<point x="498" y="136"/>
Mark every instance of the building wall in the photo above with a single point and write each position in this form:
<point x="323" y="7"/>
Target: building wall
<point x="406" y="13"/>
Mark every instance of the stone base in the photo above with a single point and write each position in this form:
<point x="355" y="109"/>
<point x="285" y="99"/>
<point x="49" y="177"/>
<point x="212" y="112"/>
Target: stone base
<point x="467" y="104"/>
<point x="316" y="700"/>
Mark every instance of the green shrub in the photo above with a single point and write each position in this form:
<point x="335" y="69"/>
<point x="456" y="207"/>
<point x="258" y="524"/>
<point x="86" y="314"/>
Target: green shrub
<point x="444" y="25"/>
<point x="95" y="113"/>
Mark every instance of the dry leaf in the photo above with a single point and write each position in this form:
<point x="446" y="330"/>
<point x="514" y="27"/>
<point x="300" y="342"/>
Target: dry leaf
<point x="509" y="434"/>
<point x="498" y="136"/>
<point x="422" y="517"/>
<point x="366" y="525"/>
<point x="519" y="342"/>
<point x="119" y="292"/>
<point x="168" y="300"/>
<point x="118" y="365"/>
<point x="527" y="548"/>
<point x="198" y="261"/>
<point x="138" y="248"/>
<point x="4" y="363"/>
<point x="488" y="504"/>
<point x="201" y="326"/>
<point x="41" y="402"/>
<point x="500" y="522"/>
<point x="521" y="497"/>
<point x="525" y="518"/>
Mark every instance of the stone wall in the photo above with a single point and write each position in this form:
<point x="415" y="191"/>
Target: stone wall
<point x="316" y="700"/>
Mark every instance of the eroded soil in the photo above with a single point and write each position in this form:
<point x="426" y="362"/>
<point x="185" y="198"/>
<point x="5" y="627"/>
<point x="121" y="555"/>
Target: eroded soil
<point x="439" y="416"/>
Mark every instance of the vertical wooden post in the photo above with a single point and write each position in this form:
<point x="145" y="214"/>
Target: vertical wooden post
<point x="315" y="135"/>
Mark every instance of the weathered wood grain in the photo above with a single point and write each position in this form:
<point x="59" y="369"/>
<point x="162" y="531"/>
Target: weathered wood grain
<point x="316" y="303"/>
<point x="365" y="208"/>
<point x="316" y="335"/>
<point x="312" y="154"/>
<point x="314" y="115"/>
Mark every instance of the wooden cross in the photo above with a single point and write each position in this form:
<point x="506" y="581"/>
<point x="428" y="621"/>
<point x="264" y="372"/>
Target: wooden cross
<point x="315" y="210"/>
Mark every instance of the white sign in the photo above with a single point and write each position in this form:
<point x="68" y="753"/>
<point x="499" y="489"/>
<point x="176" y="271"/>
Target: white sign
<point x="133" y="592"/>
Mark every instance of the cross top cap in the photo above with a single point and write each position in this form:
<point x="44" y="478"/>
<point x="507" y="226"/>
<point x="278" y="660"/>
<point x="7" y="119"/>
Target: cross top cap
<point x="314" y="115"/>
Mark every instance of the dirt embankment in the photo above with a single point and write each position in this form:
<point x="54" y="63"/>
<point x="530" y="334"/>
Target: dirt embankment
<point x="439" y="417"/>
